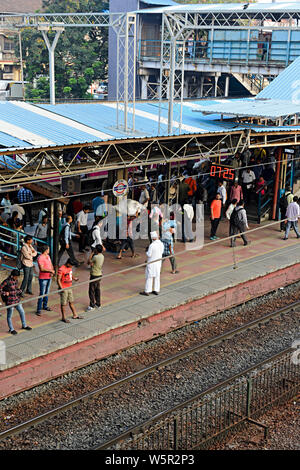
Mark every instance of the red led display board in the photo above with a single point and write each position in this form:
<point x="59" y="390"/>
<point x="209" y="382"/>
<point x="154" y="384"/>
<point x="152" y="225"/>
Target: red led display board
<point x="222" y="172"/>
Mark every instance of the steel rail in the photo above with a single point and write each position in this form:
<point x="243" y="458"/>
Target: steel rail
<point x="164" y="414"/>
<point x="141" y="373"/>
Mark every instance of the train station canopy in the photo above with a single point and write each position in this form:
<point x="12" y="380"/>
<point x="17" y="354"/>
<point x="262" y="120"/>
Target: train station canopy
<point x="28" y="126"/>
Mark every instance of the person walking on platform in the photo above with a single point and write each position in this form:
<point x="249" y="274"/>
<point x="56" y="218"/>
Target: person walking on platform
<point x="167" y="239"/>
<point x="64" y="281"/>
<point x="96" y="261"/>
<point x="82" y="228"/>
<point x="248" y="179"/>
<point x="45" y="278"/>
<point x="284" y="201"/>
<point x="215" y="215"/>
<point x="128" y="241"/>
<point x="41" y="232"/>
<point x="27" y="255"/>
<point x="26" y="196"/>
<point x="11" y="294"/>
<point x="229" y="211"/>
<point x="292" y="215"/>
<point x="236" y="192"/>
<point x="65" y="239"/>
<point x="155" y="252"/>
<point x="239" y="223"/>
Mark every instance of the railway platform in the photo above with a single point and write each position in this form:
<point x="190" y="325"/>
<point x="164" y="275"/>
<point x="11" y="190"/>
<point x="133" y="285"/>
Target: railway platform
<point x="209" y="280"/>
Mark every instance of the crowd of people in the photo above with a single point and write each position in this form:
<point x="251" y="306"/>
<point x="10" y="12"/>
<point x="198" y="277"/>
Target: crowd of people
<point x="186" y="189"/>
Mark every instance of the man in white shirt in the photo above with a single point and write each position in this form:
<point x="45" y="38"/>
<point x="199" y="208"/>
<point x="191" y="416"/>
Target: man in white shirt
<point x="292" y="214"/>
<point x="96" y="234"/>
<point x="155" y="252"/>
<point x="16" y="208"/>
<point x="82" y="228"/>
<point x="222" y="191"/>
<point x="248" y="178"/>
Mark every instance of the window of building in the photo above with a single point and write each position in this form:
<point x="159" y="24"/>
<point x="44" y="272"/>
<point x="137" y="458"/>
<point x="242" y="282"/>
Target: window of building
<point x="8" y="45"/>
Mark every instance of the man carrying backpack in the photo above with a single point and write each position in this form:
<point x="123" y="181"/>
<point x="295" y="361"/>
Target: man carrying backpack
<point x="65" y="239"/>
<point x="284" y="201"/>
<point x="239" y="223"/>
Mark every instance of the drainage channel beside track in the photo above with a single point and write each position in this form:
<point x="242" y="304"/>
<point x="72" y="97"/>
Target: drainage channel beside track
<point x="213" y="415"/>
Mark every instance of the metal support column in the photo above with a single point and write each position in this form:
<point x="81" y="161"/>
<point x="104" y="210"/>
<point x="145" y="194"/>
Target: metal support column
<point x="55" y="232"/>
<point x="51" y="49"/>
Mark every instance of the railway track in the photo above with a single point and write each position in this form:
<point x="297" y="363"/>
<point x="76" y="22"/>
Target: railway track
<point x="171" y="429"/>
<point x="13" y="431"/>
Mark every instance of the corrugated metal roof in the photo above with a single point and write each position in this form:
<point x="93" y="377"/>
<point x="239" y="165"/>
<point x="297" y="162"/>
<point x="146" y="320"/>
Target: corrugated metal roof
<point x="10" y="141"/>
<point x="250" y="107"/>
<point x="59" y="124"/>
<point x="286" y="86"/>
<point x="39" y="125"/>
<point x="160" y="2"/>
<point x="230" y="8"/>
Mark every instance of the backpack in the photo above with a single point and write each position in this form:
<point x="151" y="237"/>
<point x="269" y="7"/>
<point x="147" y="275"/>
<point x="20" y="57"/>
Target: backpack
<point x="90" y="239"/>
<point x="234" y="218"/>
<point x="283" y="202"/>
<point x="62" y="234"/>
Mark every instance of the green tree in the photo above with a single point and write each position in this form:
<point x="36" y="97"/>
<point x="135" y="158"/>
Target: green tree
<point x="81" y="54"/>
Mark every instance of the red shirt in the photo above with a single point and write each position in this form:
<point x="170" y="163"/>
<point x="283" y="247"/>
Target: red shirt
<point x="66" y="276"/>
<point x="77" y="206"/>
<point x="44" y="261"/>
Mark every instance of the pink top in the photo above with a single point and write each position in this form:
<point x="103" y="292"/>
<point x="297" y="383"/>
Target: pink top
<point x="44" y="261"/>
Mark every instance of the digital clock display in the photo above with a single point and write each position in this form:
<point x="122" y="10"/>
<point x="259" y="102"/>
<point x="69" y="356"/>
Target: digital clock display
<point x="222" y="172"/>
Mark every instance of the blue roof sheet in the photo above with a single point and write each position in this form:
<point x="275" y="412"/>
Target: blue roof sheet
<point x="159" y="2"/>
<point x="286" y="86"/>
<point x="278" y="7"/>
<point x="101" y="117"/>
<point x="9" y="141"/>
<point x="58" y="133"/>
<point x="252" y="107"/>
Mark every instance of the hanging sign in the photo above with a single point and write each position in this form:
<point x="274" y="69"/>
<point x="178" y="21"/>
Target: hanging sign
<point x="120" y="188"/>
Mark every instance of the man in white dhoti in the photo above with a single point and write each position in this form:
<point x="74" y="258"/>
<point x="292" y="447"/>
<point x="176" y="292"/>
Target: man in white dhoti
<point x="155" y="252"/>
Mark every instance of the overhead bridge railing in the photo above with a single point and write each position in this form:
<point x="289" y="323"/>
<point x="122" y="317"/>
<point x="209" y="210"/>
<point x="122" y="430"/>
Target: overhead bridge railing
<point x="11" y="242"/>
<point x="227" y="51"/>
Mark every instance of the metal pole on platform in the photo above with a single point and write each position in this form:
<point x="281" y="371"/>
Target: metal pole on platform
<point x="55" y="234"/>
<point x="276" y="188"/>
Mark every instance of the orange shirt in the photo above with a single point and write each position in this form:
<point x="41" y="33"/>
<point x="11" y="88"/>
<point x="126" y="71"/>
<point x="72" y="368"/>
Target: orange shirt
<point x="215" y="208"/>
